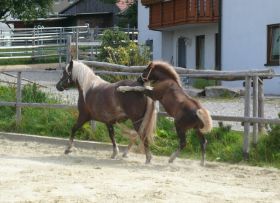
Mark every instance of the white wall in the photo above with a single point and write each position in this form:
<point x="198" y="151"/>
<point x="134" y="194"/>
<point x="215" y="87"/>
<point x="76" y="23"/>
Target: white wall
<point x="146" y="34"/>
<point x="244" y="36"/>
<point x="190" y="33"/>
<point x="165" y="42"/>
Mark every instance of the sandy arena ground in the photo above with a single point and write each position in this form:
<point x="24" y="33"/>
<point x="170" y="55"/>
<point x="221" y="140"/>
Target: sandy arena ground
<point x="34" y="172"/>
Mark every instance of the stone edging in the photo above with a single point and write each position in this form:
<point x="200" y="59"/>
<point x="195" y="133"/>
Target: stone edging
<point x="58" y="141"/>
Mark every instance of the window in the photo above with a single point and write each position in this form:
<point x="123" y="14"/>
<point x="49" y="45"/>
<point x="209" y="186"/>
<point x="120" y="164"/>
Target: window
<point x="149" y="43"/>
<point x="182" y="52"/>
<point x="217" y="52"/>
<point x="200" y="51"/>
<point x="273" y="44"/>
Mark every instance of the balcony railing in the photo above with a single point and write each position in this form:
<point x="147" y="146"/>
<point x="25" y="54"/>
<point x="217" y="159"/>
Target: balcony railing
<point x="179" y="12"/>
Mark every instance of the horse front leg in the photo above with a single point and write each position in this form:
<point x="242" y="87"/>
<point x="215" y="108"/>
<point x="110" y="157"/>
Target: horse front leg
<point x="203" y="144"/>
<point x="181" y="133"/>
<point x="112" y="137"/>
<point x="80" y="122"/>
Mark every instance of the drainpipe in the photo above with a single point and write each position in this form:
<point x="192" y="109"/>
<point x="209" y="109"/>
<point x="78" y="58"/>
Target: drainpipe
<point x="220" y="33"/>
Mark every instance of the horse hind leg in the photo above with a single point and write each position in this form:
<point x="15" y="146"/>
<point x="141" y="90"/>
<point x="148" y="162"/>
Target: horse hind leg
<point x="112" y="137"/>
<point x="147" y="151"/>
<point x="145" y="140"/>
<point x="132" y="136"/>
<point x="203" y="143"/>
<point x="181" y="133"/>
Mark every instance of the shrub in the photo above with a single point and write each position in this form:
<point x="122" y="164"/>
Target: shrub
<point x="267" y="149"/>
<point x="202" y="83"/>
<point x="118" y="49"/>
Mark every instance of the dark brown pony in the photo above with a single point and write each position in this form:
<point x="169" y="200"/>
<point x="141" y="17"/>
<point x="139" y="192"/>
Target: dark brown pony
<point x="186" y="111"/>
<point x="99" y="100"/>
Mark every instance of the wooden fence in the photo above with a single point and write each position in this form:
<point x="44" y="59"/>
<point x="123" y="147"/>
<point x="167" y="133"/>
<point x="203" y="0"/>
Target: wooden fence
<point x="253" y="86"/>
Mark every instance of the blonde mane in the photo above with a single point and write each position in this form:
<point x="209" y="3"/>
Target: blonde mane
<point x="168" y="69"/>
<point x="84" y="75"/>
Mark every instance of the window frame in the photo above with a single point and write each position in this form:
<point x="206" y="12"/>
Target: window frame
<point x="270" y="61"/>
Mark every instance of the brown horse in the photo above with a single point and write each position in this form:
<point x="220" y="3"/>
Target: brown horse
<point x="99" y="100"/>
<point x="186" y="111"/>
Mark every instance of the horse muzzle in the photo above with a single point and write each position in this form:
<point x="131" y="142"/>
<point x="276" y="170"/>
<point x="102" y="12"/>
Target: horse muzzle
<point x="59" y="87"/>
<point x="141" y="80"/>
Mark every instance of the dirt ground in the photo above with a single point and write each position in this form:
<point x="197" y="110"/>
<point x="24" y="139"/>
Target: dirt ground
<point x="35" y="172"/>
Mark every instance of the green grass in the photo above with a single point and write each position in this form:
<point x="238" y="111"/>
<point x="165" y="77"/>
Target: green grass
<point x="224" y="144"/>
<point x="202" y="83"/>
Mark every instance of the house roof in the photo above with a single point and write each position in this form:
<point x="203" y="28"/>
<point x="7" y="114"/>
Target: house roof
<point x="94" y="6"/>
<point x="70" y="6"/>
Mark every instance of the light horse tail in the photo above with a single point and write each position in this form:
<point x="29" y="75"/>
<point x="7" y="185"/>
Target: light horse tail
<point x="148" y="125"/>
<point x="204" y="115"/>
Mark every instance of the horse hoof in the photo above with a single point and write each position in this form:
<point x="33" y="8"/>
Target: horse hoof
<point x="170" y="161"/>
<point x="125" y="155"/>
<point x="202" y="164"/>
<point x="148" y="161"/>
<point x="114" y="155"/>
<point x="67" y="151"/>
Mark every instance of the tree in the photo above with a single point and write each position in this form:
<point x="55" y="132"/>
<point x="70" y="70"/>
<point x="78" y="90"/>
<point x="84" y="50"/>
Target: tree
<point x="25" y="9"/>
<point x="129" y="16"/>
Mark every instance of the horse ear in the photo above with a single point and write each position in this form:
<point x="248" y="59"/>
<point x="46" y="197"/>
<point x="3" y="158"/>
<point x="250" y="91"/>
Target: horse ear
<point x="150" y="65"/>
<point x="70" y="67"/>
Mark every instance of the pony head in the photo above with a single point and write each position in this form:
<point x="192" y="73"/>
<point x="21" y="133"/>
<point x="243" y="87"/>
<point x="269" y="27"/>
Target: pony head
<point x="66" y="79"/>
<point x="159" y="71"/>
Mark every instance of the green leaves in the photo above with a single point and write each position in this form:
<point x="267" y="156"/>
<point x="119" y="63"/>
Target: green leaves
<point x="25" y="9"/>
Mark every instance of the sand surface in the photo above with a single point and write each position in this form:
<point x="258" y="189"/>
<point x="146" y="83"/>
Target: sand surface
<point x="34" y="172"/>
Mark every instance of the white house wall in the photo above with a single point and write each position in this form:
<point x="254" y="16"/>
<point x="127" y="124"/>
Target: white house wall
<point x="244" y="37"/>
<point x="190" y="33"/>
<point x="146" y="34"/>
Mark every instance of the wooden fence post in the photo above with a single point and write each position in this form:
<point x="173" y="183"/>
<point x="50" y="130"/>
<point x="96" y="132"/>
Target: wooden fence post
<point x="18" y="99"/>
<point x="93" y="125"/>
<point x="261" y="104"/>
<point x="255" y="108"/>
<point x="246" y="138"/>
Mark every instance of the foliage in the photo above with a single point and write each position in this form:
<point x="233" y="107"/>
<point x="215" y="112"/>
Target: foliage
<point x="130" y="55"/>
<point x="129" y="17"/>
<point x="31" y="93"/>
<point x="114" y="39"/>
<point x="118" y="49"/>
<point x="202" y="83"/>
<point x="267" y="149"/>
<point x="30" y="61"/>
<point x="25" y="9"/>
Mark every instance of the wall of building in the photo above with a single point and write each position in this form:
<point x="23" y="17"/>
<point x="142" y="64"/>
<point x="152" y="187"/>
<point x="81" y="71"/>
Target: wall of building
<point x="165" y="43"/>
<point x="190" y="32"/>
<point x="146" y="34"/>
<point x="244" y="37"/>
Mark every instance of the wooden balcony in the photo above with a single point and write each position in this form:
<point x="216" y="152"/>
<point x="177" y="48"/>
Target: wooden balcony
<point x="165" y="14"/>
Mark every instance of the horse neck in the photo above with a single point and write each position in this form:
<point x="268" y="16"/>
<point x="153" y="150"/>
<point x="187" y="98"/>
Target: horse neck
<point x="162" y="76"/>
<point x="86" y="80"/>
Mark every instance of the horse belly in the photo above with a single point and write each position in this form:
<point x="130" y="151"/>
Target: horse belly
<point x="108" y="114"/>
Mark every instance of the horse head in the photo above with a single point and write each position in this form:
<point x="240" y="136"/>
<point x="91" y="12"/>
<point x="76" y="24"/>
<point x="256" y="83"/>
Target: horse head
<point x="159" y="71"/>
<point x="66" y="79"/>
<point x="147" y="74"/>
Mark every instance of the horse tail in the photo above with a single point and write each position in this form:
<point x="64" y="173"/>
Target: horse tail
<point x="204" y="115"/>
<point x="148" y="125"/>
